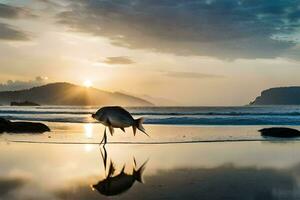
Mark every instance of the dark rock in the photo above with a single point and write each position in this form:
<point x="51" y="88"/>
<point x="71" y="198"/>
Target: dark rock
<point x="22" y="127"/>
<point x="24" y="103"/>
<point x="2" y="120"/>
<point x="280" y="132"/>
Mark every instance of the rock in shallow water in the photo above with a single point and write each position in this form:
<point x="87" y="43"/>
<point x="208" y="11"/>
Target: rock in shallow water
<point x="281" y="132"/>
<point x="22" y="127"/>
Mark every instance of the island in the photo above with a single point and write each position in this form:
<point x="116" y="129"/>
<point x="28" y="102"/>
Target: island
<point x="279" y="96"/>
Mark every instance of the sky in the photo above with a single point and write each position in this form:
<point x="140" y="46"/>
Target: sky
<point x="192" y="52"/>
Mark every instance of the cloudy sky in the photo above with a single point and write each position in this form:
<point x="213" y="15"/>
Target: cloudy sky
<point x="195" y="52"/>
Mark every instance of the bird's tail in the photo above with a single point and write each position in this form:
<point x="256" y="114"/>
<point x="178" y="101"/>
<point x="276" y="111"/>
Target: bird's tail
<point x="139" y="125"/>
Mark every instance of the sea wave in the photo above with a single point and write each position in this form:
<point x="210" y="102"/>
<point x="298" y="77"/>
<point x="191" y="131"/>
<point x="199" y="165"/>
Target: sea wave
<point x="224" y="121"/>
<point x="219" y="113"/>
<point x="58" y="112"/>
<point x="179" y="115"/>
<point x="20" y="112"/>
<point x="175" y="120"/>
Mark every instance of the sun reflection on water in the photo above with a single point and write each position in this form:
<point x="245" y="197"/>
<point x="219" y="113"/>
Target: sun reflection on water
<point x="88" y="130"/>
<point x="88" y="148"/>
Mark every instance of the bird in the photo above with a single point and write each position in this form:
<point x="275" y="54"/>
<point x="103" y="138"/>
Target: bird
<point x="117" y="117"/>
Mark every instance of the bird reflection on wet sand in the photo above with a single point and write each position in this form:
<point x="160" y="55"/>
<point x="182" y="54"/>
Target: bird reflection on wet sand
<point x="115" y="184"/>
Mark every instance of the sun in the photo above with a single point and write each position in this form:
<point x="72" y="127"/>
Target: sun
<point x="87" y="83"/>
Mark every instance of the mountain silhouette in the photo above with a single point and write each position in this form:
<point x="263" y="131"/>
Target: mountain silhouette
<point x="63" y="93"/>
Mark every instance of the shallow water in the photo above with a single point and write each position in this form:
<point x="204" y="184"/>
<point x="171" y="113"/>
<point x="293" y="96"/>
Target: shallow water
<point x="268" y="169"/>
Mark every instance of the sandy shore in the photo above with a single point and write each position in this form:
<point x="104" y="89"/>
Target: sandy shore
<point x="217" y="170"/>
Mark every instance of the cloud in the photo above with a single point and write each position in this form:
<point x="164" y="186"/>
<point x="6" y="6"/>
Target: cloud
<point x="193" y="75"/>
<point x="12" y="12"/>
<point x="119" y="60"/>
<point x="226" y="29"/>
<point x="11" y="85"/>
<point x="8" y="32"/>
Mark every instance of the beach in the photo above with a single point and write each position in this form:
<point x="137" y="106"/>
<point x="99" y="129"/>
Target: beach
<point x="181" y="162"/>
<point x="149" y="100"/>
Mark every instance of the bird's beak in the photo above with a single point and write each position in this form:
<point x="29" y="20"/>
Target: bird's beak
<point x="93" y="116"/>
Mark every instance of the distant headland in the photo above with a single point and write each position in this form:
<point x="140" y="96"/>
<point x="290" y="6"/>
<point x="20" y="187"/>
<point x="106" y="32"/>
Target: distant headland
<point x="279" y="96"/>
<point x="63" y="93"/>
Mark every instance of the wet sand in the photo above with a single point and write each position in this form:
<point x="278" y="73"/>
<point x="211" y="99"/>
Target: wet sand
<point x="256" y="169"/>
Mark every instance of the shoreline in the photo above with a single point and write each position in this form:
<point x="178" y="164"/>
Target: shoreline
<point x="91" y="133"/>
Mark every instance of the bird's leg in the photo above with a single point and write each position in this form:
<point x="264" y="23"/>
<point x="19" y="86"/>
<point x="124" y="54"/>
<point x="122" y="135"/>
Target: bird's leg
<point x="104" y="157"/>
<point x="104" y="139"/>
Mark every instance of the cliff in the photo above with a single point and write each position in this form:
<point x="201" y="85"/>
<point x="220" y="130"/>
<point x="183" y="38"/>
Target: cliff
<point x="279" y="96"/>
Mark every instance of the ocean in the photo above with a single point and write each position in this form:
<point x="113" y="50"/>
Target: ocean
<point x="234" y="115"/>
<point x="191" y="152"/>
